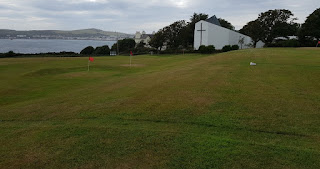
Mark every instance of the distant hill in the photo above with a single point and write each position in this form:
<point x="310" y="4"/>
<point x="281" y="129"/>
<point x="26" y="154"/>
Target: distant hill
<point x="90" y="32"/>
<point x="61" y="34"/>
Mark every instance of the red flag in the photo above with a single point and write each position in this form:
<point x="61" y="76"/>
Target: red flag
<point x="91" y="59"/>
<point x="319" y="42"/>
<point x="131" y="53"/>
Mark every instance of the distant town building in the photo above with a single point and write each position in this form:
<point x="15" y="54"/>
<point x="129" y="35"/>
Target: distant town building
<point x="143" y="37"/>
<point x="21" y="36"/>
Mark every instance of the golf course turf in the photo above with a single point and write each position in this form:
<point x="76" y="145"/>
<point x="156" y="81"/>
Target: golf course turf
<point x="165" y="111"/>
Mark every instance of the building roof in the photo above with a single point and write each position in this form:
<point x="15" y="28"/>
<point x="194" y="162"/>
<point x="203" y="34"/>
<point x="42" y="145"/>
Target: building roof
<point x="214" y="20"/>
<point x="145" y="36"/>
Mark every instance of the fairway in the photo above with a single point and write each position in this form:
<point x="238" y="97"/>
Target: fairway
<point x="166" y="111"/>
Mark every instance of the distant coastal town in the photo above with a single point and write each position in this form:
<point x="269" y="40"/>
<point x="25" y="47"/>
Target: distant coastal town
<point x="84" y="34"/>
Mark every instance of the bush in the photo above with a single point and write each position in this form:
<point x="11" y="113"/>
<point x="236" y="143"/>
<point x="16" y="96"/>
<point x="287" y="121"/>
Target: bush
<point x="211" y="49"/>
<point x="202" y="49"/>
<point x="7" y="55"/>
<point x="10" y="54"/>
<point x="227" y="48"/>
<point x="291" y="43"/>
<point x="142" y="50"/>
<point x="102" y="50"/>
<point x="206" y="49"/>
<point x="87" y="51"/>
<point x="235" y="47"/>
<point x="286" y="43"/>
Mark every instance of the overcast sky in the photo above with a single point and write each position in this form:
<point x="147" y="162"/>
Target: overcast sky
<point x="130" y="16"/>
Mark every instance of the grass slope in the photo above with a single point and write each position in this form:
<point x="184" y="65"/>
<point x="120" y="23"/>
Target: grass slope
<point x="185" y="111"/>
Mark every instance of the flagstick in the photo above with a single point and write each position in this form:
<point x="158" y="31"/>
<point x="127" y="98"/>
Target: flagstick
<point x="130" y="60"/>
<point x="88" y="65"/>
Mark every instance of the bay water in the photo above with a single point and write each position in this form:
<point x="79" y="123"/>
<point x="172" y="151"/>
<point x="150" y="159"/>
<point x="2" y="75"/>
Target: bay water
<point x="29" y="46"/>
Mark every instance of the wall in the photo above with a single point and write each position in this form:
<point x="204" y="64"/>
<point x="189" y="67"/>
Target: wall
<point x="197" y="34"/>
<point x="213" y="35"/>
<point x="235" y="37"/>
<point x="137" y="37"/>
<point x="219" y="36"/>
<point x="260" y="44"/>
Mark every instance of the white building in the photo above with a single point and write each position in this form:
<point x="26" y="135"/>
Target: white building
<point x="209" y="32"/>
<point x="143" y="37"/>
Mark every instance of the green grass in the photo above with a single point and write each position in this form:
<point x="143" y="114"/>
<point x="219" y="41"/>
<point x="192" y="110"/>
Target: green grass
<point x="171" y="111"/>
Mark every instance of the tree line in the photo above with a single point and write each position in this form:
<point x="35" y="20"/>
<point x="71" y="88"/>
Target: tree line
<point x="179" y="35"/>
<point x="269" y="26"/>
<point x="281" y="23"/>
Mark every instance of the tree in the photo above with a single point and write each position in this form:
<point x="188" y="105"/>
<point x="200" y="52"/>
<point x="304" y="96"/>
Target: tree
<point x="198" y="17"/>
<point x="311" y="28"/>
<point x="141" y="44"/>
<point x="114" y="46"/>
<point x="87" y="51"/>
<point x="254" y="30"/>
<point x="102" y="50"/>
<point x="277" y="23"/>
<point x="158" y="40"/>
<point x="226" y="24"/>
<point x="125" y="45"/>
<point x="241" y="41"/>
<point x="174" y="34"/>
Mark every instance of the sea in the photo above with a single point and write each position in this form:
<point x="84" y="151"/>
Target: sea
<point x="31" y="46"/>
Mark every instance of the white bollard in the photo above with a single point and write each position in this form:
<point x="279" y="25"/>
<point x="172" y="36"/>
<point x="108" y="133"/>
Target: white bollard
<point x="253" y="64"/>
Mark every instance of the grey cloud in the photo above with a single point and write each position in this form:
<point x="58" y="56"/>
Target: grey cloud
<point x="128" y="16"/>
